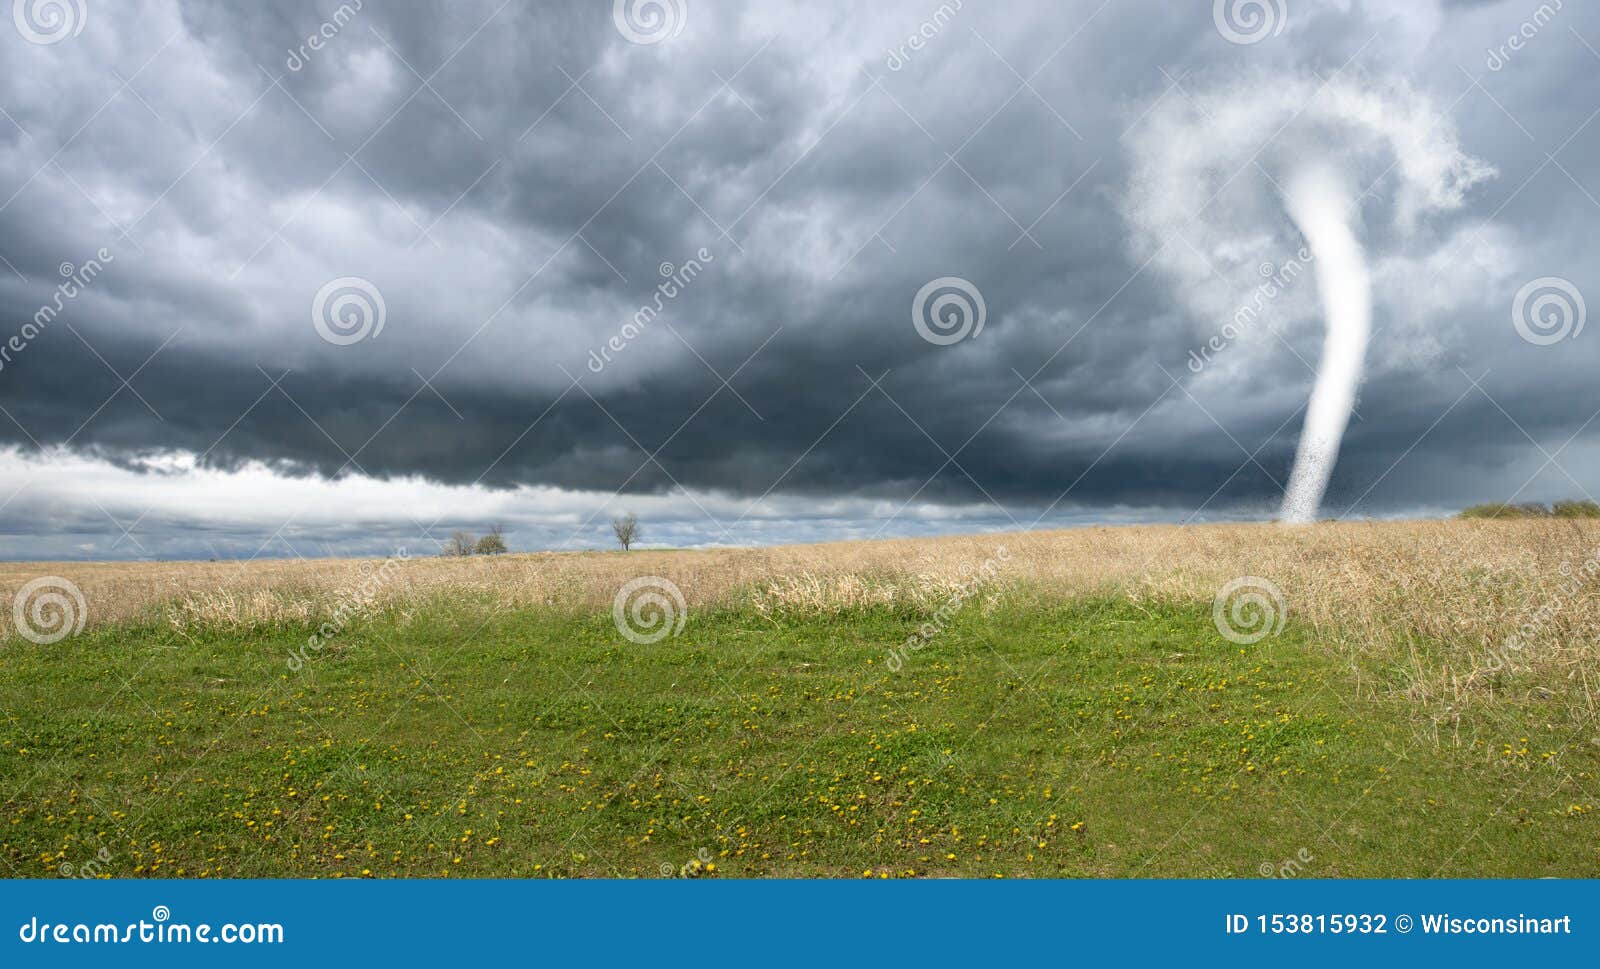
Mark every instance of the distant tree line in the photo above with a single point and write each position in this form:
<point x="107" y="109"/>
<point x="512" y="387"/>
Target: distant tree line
<point x="465" y="543"/>
<point x="1535" y="509"/>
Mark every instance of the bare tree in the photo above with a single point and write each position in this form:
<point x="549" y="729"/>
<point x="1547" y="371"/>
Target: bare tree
<point x="626" y="529"/>
<point x="459" y="543"/>
<point x="493" y="543"/>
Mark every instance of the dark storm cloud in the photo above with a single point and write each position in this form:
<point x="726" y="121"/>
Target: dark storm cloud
<point x="516" y="211"/>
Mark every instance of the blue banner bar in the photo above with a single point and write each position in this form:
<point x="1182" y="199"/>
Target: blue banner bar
<point x="790" y="922"/>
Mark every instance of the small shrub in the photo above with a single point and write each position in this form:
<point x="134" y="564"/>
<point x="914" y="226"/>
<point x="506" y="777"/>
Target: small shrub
<point x="1575" y="509"/>
<point x="493" y="543"/>
<point x="1532" y="509"/>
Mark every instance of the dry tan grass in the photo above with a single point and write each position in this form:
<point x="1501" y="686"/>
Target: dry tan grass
<point x="1441" y="597"/>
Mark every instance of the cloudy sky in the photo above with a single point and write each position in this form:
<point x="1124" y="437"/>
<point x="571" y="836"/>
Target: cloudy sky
<point x="286" y="278"/>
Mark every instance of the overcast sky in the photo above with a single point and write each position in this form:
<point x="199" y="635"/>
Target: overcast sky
<point x="320" y="280"/>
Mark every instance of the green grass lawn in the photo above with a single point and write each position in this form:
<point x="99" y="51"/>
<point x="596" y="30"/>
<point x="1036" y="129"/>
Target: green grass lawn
<point x="1082" y="739"/>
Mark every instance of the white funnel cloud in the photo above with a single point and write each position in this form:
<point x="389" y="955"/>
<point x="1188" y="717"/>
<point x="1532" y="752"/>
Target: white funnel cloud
<point x="1320" y="201"/>
<point x="1236" y="187"/>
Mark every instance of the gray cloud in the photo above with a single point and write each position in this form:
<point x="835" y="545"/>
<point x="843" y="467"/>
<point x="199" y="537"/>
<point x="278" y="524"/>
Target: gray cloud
<point x="516" y="211"/>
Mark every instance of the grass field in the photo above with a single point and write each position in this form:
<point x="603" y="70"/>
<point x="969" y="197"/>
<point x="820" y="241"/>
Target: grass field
<point x="1070" y="707"/>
